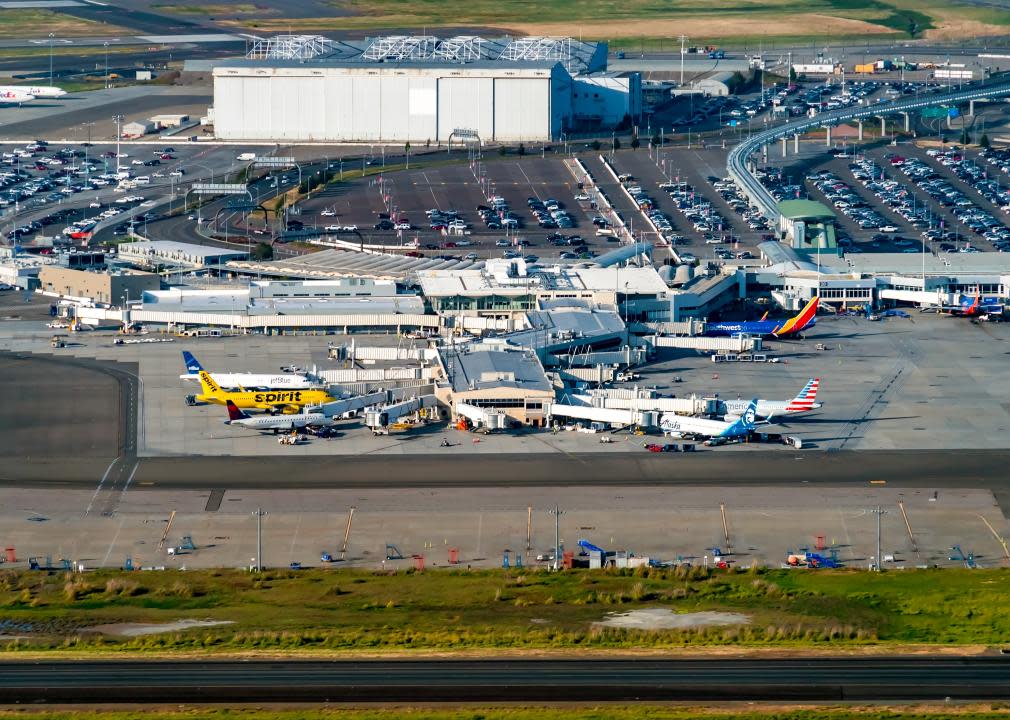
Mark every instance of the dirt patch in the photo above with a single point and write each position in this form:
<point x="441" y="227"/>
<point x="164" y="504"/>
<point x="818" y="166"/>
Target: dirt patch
<point x="803" y="24"/>
<point x="138" y="629"/>
<point x="666" y="619"/>
<point x="957" y="29"/>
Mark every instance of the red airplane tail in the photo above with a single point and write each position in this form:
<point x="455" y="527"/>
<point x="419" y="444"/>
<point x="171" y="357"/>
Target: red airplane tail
<point x="234" y="413"/>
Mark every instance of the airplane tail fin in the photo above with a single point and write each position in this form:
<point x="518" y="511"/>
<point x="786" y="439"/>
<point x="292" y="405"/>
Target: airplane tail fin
<point x="234" y="413"/>
<point x="806" y="317"/>
<point x="193" y="366"/>
<point x="806" y="398"/>
<point x="207" y="383"/>
<point x="748" y="420"/>
<point x="765" y="316"/>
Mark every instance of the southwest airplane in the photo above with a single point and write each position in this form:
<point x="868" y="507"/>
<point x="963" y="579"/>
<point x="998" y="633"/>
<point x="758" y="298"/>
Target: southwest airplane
<point x="973" y="307"/>
<point x="776" y="328"/>
<point x="247" y="381"/>
<point x="34" y="90"/>
<point x="276" y="423"/>
<point x="805" y="401"/>
<point x="685" y="426"/>
<point x="11" y="96"/>
<point x="274" y="401"/>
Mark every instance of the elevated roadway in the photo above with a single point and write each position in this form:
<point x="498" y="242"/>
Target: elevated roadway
<point x="737" y="162"/>
<point x="439" y="680"/>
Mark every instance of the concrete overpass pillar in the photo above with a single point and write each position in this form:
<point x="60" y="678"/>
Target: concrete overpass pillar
<point x="827" y="135"/>
<point x="860" y="131"/>
<point x="908" y="121"/>
<point x="784" y="146"/>
<point x="971" y="107"/>
<point x="764" y="153"/>
<point x="883" y="126"/>
<point x="796" y="143"/>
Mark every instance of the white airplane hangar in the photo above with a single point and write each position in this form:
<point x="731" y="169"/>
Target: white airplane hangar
<point x="419" y="89"/>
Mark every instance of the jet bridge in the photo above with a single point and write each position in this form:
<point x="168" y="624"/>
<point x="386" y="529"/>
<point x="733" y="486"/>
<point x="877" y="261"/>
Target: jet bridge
<point x="351" y="404"/>
<point x="379" y="419"/>
<point x="482" y="418"/>
<point x="642" y="418"/>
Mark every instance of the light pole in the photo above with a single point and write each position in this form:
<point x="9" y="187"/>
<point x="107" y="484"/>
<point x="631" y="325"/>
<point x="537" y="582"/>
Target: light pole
<point x="259" y="538"/>
<point x="106" y="44"/>
<point x="557" y="513"/>
<point x="51" y="36"/>
<point x="118" y="119"/>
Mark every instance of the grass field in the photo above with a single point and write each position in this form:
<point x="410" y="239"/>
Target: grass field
<point x="38" y="23"/>
<point x="705" y="21"/>
<point x="354" y="611"/>
<point x="607" y="712"/>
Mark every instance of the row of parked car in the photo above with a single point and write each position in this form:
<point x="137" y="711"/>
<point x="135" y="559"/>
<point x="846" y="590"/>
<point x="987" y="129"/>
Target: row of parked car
<point x="846" y="200"/>
<point x="946" y="194"/>
<point x="551" y="213"/>
<point x="892" y="193"/>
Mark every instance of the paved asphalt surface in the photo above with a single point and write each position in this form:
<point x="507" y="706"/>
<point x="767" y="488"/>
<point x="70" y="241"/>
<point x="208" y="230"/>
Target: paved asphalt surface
<point x="851" y="679"/>
<point x="55" y="458"/>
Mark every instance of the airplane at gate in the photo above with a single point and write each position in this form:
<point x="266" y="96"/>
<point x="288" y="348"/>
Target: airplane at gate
<point x="805" y="401"/>
<point x="685" y="426"/>
<point x="973" y="307"/>
<point x="274" y="401"/>
<point x="806" y="318"/>
<point x="275" y="423"/>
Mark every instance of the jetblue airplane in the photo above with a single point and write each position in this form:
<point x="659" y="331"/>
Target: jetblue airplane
<point x="248" y="381"/>
<point x="806" y="318"/>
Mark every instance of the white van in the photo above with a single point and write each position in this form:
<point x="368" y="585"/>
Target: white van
<point x="246" y="156"/>
<point x="142" y="180"/>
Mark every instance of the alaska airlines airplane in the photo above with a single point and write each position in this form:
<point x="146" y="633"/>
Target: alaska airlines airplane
<point x="806" y="318"/>
<point x="36" y="91"/>
<point x="685" y="426"/>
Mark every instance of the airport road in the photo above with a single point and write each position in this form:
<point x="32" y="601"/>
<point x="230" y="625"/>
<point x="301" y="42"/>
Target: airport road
<point x="848" y="679"/>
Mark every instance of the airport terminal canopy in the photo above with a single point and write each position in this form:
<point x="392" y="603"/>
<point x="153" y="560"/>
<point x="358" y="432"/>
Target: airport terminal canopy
<point x="807" y="225"/>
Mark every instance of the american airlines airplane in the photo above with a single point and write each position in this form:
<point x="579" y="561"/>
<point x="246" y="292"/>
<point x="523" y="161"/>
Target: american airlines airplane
<point x="36" y="91"/>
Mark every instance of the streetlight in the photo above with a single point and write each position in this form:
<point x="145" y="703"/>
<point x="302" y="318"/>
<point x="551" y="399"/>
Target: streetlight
<point x="106" y="44"/>
<point x="51" y="36"/>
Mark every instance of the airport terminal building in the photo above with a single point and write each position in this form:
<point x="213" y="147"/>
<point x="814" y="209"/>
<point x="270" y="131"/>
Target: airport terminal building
<point x="418" y="89"/>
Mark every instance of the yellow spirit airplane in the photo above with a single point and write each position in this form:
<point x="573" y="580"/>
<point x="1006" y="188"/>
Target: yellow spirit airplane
<point x="274" y="401"/>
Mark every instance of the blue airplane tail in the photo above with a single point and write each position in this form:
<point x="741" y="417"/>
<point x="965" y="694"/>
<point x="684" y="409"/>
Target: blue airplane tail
<point x="193" y="366"/>
<point x="747" y="421"/>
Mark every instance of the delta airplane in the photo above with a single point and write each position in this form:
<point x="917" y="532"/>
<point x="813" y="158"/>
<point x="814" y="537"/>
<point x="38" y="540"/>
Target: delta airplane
<point x="806" y="318"/>
<point x="805" y="401"/>
<point x="248" y="381"/>
<point x="10" y="96"/>
<point x="276" y="423"/>
<point x="685" y="426"/>
<point x="288" y="402"/>
<point x="35" y="91"/>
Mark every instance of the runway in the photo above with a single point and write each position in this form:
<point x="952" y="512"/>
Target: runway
<point x="436" y="680"/>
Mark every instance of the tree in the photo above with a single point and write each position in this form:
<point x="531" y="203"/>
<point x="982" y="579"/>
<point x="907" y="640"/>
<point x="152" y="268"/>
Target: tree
<point x="635" y="144"/>
<point x="406" y="149"/>
<point x="656" y="141"/>
<point x="595" y="144"/>
<point x="262" y="251"/>
<point x="502" y="150"/>
<point x="792" y="74"/>
<point x="965" y="137"/>
<point x="521" y="149"/>
<point x="617" y="143"/>
<point x="984" y="140"/>
<point x="278" y="204"/>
